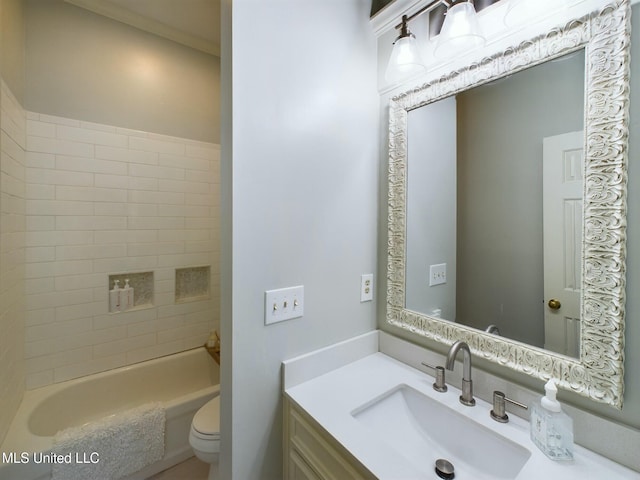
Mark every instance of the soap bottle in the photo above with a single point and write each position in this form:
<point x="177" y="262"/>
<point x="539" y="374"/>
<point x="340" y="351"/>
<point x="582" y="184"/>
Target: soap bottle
<point x="127" y="296"/>
<point x="551" y="428"/>
<point x="114" y="297"/>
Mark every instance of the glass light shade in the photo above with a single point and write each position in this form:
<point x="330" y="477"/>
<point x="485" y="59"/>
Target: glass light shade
<point x="460" y="31"/>
<point x="405" y="60"/>
<point x="520" y="12"/>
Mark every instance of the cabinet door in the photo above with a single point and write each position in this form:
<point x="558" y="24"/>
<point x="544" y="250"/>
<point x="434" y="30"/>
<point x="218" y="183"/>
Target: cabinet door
<point x="308" y="443"/>
<point x="299" y="469"/>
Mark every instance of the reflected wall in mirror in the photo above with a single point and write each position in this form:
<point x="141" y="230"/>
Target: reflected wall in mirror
<point x="475" y="164"/>
<point x="599" y="273"/>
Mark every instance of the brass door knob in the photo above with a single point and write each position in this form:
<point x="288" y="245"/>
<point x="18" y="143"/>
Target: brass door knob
<point x="554" y="304"/>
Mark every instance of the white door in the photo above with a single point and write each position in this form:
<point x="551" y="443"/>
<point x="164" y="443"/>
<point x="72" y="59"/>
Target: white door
<point x="563" y="172"/>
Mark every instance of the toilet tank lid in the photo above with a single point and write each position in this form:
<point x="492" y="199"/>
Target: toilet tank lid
<point x="207" y="419"/>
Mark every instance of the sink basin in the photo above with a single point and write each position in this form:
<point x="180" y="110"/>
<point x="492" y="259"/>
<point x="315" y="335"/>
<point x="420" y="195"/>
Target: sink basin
<point x="424" y="430"/>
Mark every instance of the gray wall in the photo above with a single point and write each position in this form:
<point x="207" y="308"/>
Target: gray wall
<point x="299" y="166"/>
<point x="12" y="34"/>
<point x="630" y="414"/>
<point x="500" y="131"/>
<point x="84" y="66"/>
<point x="431" y="207"/>
<point x="12" y="214"/>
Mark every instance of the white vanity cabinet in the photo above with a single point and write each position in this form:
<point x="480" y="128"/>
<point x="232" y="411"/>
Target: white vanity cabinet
<point x="311" y="454"/>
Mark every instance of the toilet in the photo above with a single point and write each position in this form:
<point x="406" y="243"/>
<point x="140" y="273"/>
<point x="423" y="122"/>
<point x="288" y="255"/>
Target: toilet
<point x="204" y="436"/>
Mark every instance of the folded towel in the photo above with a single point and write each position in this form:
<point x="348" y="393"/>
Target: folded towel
<point x="112" y="447"/>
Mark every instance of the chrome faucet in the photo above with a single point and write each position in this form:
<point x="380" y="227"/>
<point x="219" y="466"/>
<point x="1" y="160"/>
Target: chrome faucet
<point x="467" y="385"/>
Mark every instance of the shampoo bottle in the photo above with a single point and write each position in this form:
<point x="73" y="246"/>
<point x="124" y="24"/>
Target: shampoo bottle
<point x="114" y="297"/>
<point x="551" y="428"/>
<point x="127" y="296"/>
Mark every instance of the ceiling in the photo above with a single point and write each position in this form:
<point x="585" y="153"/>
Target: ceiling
<point x="195" y="23"/>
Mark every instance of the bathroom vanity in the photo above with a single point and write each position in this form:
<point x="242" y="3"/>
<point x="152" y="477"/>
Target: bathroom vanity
<point x="354" y="411"/>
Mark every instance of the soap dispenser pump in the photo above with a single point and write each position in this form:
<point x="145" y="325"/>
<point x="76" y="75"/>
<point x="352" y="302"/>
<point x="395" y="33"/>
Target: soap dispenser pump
<point x="551" y="428"/>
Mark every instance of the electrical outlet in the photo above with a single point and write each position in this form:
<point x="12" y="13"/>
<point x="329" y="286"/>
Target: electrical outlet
<point x="366" y="287"/>
<point x="283" y="304"/>
<point x="437" y="274"/>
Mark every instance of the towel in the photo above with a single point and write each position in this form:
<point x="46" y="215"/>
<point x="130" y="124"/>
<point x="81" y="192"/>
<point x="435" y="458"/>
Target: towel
<point x="110" y="448"/>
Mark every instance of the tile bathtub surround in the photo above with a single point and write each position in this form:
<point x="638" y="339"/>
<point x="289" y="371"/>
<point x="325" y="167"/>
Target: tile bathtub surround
<point x="101" y="201"/>
<point x="12" y="255"/>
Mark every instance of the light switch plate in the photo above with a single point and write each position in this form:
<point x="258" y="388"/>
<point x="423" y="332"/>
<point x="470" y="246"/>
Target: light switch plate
<point x="283" y="304"/>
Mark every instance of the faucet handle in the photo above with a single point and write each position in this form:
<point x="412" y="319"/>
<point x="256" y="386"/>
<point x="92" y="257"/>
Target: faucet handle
<point x="499" y="401"/>
<point x="439" y="385"/>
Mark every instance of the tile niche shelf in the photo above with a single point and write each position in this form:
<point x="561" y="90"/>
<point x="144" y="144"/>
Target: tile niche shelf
<point x="142" y="284"/>
<point x="192" y="284"/>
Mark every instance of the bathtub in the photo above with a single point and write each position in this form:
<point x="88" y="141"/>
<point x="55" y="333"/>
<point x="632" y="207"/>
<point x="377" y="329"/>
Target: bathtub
<point x="183" y="382"/>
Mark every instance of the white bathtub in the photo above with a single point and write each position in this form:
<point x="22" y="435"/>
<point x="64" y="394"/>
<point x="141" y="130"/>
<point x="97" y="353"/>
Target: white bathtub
<point x="183" y="382"/>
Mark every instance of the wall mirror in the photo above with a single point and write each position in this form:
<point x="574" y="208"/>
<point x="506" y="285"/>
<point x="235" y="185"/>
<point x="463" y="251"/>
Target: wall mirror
<point x="507" y="205"/>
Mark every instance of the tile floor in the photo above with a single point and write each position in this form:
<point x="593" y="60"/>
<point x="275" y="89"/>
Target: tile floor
<point x="191" y="469"/>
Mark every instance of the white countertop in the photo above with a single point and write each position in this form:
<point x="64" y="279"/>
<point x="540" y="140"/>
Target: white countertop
<point x="330" y="399"/>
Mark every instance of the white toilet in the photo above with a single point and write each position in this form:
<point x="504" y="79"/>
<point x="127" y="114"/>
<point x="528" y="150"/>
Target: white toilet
<point x="204" y="436"/>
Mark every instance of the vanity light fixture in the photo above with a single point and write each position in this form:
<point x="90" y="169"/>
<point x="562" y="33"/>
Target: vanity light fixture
<point x="460" y="32"/>
<point x="405" y="58"/>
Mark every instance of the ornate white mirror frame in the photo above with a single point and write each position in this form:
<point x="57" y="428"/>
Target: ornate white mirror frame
<point x="598" y="373"/>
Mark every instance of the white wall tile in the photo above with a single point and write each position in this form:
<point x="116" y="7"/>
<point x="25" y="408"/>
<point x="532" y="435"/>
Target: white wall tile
<point x="35" y="191"/>
<point x="76" y="282"/>
<point x="92" y="337"/>
<point x="40" y="160"/>
<point x="41" y="129"/>
<point x="159" y="146"/>
<point x="167" y="198"/>
<point x="126" y="155"/>
<point x="100" y="127"/>
<point x="124" y="345"/>
<point x="154" y="351"/>
<point x="90" y="251"/>
<point x="187" y="163"/>
<point x="80" y="163"/>
<point x="39" y="317"/>
<point x="104" y="200"/>
<point x="141" y="328"/>
<point x="39" y="379"/>
<point x="59" y="120"/>
<point x="46" y="176"/>
<point x="113" y="209"/>
<point x="58" y="299"/>
<point x="142" y="183"/>
<point x="58" y="207"/>
<point x="156" y="223"/>
<point x="53" y="269"/>
<point x="39" y="237"/>
<point x="39" y="285"/>
<point x="40" y="254"/>
<point x="91" y="136"/>
<point x="82" y="310"/>
<point x="153" y="171"/>
<point x="111" y="181"/>
<point x="123" y="265"/>
<point x="206" y="152"/>
<point x="59" y="147"/>
<point x="69" y="372"/>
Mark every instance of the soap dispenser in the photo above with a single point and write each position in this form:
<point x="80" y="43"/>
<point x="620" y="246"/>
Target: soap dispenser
<point x="551" y="428"/>
<point x="115" y="297"/>
<point x="127" y="296"/>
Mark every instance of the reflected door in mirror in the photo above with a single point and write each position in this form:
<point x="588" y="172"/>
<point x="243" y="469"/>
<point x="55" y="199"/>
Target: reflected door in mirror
<point x="562" y="184"/>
